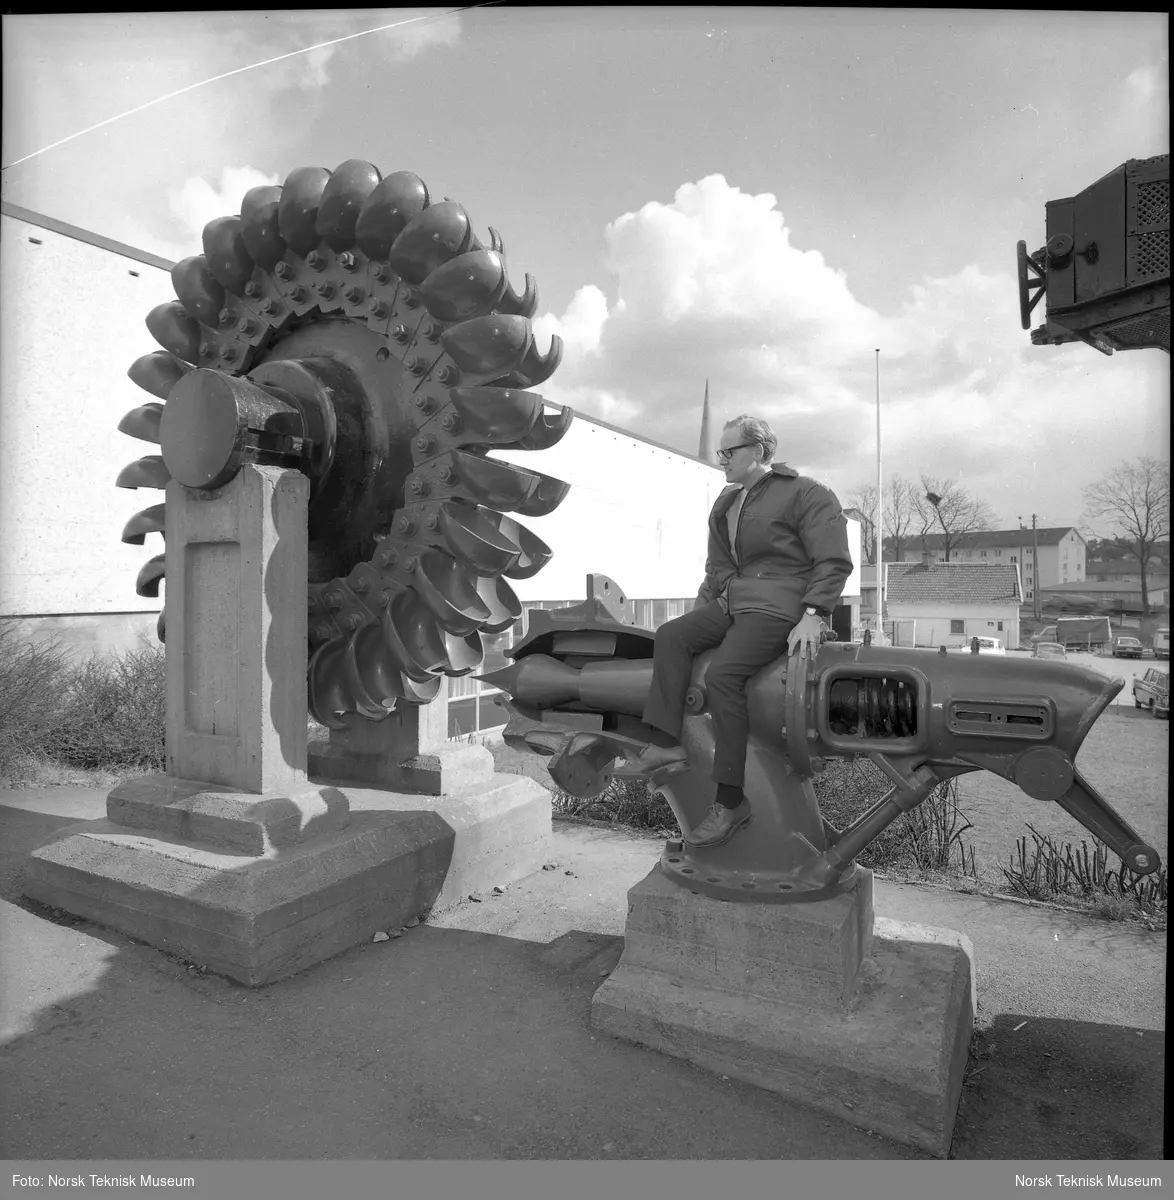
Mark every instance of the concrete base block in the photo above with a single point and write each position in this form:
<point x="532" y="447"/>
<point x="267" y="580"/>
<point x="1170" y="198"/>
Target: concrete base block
<point x="887" y="1055"/>
<point x="260" y="917"/>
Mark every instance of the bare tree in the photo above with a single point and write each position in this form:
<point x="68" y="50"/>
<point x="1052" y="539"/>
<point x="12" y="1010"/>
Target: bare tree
<point x="951" y="506"/>
<point x="1133" y="500"/>
<point x="900" y="514"/>
<point x="863" y="499"/>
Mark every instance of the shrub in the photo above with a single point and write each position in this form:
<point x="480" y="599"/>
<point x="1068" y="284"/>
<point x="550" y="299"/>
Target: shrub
<point x="34" y="678"/>
<point x="1051" y="872"/>
<point x="114" y="713"/>
<point x="103" y="712"/>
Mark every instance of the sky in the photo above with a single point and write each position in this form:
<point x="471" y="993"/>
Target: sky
<point x="759" y="197"/>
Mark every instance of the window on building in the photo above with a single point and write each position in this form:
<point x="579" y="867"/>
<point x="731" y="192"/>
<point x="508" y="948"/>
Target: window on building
<point x="957" y="626"/>
<point x="1014" y="559"/>
<point x="984" y="554"/>
<point x="1000" y="626"/>
<point x="998" y="554"/>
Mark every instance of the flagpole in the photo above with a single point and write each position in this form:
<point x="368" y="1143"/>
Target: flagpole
<point x="879" y="528"/>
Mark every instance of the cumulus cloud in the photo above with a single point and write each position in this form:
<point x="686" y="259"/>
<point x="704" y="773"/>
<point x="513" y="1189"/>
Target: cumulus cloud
<point x="196" y="202"/>
<point x="713" y="286"/>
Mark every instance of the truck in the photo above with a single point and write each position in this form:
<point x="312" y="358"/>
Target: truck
<point x="1078" y="633"/>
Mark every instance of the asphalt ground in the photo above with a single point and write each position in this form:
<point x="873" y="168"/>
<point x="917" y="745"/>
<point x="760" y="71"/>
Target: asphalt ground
<point x="468" y="1037"/>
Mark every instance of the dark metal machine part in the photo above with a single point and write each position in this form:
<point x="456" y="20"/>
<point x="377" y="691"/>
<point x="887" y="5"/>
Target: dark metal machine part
<point x="578" y="683"/>
<point x="1105" y="267"/>
<point x="347" y="326"/>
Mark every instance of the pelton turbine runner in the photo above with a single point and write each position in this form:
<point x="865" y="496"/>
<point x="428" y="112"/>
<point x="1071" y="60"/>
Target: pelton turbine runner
<point x="347" y="325"/>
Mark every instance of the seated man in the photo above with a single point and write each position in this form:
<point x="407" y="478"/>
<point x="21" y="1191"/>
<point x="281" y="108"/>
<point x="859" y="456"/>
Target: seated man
<point x="776" y="563"/>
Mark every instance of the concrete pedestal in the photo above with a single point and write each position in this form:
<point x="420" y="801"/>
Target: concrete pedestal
<point x="867" y="1020"/>
<point x="260" y="887"/>
<point x="239" y="859"/>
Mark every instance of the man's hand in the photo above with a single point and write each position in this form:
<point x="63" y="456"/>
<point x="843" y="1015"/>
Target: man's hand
<point x="804" y="637"/>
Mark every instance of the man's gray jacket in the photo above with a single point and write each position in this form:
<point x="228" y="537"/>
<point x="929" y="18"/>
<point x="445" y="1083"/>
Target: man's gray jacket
<point x="790" y="552"/>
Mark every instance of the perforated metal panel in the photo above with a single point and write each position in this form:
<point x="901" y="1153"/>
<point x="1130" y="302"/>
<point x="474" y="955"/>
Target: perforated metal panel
<point x="1153" y="254"/>
<point x="1153" y="202"/>
<point x="1150" y="331"/>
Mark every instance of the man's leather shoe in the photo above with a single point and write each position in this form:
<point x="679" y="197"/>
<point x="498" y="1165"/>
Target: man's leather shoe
<point x="721" y="825"/>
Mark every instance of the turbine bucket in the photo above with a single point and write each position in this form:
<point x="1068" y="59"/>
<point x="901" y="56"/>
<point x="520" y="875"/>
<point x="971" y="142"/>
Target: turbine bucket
<point x="142" y="422"/>
<point x="489" y="347"/>
<point x="259" y="226"/>
<point x="227" y="258"/>
<point x="359" y="652"/>
<point x="465" y="654"/>
<point x="161" y="625"/>
<point x="474" y="540"/>
<point x="158" y="372"/>
<point x="150" y="574"/>
<point x="467" y="286"/>
<point x="534" y="368"/>
<point x="496" y="484"/>
<point x="421" y="637"/>
<point x="429" y="240"/>
<point x="421" y="693"/>
<point x="496" y="415"/>
<point x="535" y="552"/>
<point x="444" y="587"/>
<point x="148" y="472"/>
<point x="297" y="214"/>
<point x="150" y="520"/>
<point x="328" y="698"/>
<point x="545" y="498"/>
<point x="504" y="606"/>
<point x="173" y="327"/>
<point x="546" y="431"/>
<point x="198" y="291"/>
<point x="342" y="201"/>
<point x="397" y="200"/>
<point x="396" y="639"/>
<point x="525" y="305"/>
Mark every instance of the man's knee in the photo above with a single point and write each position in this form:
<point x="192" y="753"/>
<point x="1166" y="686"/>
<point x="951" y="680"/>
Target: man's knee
<point x="672" y="633"/>
<point x="727" y="679"/>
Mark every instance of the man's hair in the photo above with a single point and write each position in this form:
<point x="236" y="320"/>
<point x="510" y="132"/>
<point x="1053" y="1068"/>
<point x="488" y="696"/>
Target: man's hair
<point x="758" y="431"/>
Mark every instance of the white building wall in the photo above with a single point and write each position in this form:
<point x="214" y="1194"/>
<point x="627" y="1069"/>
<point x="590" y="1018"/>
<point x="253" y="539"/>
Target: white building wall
<point x="636" y="512"/>
<point x="934" y="622"/>
<point x="71" y="323"/>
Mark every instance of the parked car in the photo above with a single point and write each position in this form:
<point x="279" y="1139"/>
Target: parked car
<point x="1162" y="643"/>
<point x="1049" y="650"/>
<point x="1127" y="647"/>
<point x="1161" y="705"/>
<point x="1153" y="684"/>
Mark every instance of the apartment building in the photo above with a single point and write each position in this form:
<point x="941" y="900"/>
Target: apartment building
<point x="1061" y="552"/>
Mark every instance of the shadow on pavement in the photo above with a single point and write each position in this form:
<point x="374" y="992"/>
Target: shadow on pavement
<point x="1051" y="1089"/>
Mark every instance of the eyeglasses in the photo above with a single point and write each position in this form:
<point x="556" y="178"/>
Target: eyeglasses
<point x="726" y="455"/>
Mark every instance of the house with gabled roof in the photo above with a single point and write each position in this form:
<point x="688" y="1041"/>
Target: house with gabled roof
<point x="1058" y="553"/>
<point x="949" y="603"/>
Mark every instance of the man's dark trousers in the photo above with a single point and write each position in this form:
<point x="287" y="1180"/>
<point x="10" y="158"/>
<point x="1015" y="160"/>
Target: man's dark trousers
<point x="745" y="644"/>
